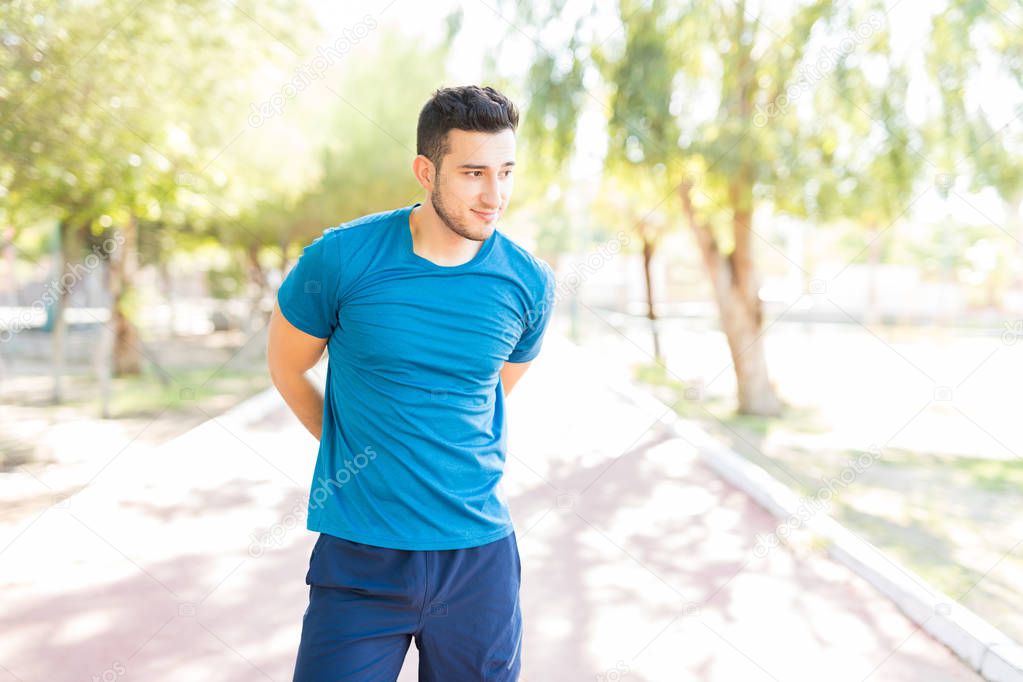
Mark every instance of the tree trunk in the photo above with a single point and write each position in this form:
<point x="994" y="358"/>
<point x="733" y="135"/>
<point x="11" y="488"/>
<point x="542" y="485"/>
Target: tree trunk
<point x="742" y="322"/>
<point x="872" y="312"/>
<point x="163" y="268"/>
<point x="737" y="297"/>
<point x="58" y="331"/>
<point x="1015" y="226"/>
<point x="105" y="370"/>
<point x="10" y="261"/>
<point x="649" y="245"/>
<point x="259" y="276"/>
<point x="285" y="261"/>
<point x="127" y="358"/>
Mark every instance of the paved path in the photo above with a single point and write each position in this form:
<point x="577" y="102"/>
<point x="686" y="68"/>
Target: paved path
<point x="637" y="560"/>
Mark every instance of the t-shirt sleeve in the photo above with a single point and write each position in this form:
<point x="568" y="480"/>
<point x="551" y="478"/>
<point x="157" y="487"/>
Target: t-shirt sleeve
<point x="308" y="295"/>
<point x="537" y="320"/>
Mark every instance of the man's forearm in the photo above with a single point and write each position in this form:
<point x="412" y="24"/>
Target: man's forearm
<point x="304" y="399"/>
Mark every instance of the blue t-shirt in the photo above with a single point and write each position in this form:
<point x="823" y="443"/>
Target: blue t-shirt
<point x="413" y="443"/>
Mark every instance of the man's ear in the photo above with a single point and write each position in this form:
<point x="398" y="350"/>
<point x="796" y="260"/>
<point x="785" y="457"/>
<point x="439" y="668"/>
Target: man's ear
<point x="425" y="172"/>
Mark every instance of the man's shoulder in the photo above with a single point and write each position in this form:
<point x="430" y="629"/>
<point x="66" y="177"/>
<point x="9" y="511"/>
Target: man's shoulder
<point x="538" y="272"/>
<point x="361" y="226"/>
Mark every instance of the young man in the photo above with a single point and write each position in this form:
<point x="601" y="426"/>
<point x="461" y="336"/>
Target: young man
<point x="431" y="315"/>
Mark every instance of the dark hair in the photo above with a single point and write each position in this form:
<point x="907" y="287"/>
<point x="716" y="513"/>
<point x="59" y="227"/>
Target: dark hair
<point x="467" y="107"/>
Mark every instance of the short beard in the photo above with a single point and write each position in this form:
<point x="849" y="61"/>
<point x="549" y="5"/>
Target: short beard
<point x="453" y="224"/>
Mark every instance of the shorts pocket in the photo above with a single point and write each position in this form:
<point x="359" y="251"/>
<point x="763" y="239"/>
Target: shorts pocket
<point x="362" y="569"/>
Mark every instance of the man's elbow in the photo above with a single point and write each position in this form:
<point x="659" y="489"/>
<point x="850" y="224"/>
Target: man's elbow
<point x="279" y="376"/>
<point x="286" y="369"/>
<point x="285" y="373"/>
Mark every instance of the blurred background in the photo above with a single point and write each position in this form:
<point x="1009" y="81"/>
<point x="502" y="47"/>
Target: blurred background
<point x="797" y="223"/>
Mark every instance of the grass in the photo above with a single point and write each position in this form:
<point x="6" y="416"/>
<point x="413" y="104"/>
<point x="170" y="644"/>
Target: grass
<point x="945" y="517"/>
<point x="688" y="403"/>
<point x="185" y="389"/>
<point x="993" y="475"/>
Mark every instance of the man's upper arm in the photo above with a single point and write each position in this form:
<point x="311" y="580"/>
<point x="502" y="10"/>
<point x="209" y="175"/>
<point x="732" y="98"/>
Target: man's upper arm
<point x="511" y="372"/>
<point x="289" y="349"/>
<point x="308" y="296"/>
<point x="306" y="308"/>
<point x="537" y="319"/>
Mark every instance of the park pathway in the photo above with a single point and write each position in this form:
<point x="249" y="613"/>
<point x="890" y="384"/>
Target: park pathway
<point x="188" y="562"/>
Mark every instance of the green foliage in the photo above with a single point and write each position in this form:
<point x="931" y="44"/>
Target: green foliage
<point x="113" y="108"/>
<point x="969" y="36"/>
<point x="227" y="281"/>
<point x="757" y="109"/>
<point x="370" y="143"/>
<point x="118" y="108"/>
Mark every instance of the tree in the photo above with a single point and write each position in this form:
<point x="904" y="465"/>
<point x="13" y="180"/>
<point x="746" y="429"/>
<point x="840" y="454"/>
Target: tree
<point x="967" y="131"/>
<point x="731" y="82"/>
<point x="641" y="147"/>
<point x="747" y="110"/>
<point x="108" y="106"/>
<point x="635" y="196"/>
<point x="871" y="182"/>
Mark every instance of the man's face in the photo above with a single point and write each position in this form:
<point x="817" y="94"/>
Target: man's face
<point x="474" y="184"/>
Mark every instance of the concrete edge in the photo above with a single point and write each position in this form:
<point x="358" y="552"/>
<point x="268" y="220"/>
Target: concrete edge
<point x="251" y="409"/>
<point x="254" y="407"/>
<point x="986" y="649"/>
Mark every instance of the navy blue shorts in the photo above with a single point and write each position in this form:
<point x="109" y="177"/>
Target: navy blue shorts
<point x="367" y="603"/>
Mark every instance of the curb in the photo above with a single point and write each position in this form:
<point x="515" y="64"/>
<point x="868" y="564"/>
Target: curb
<point x="982" y="646"/>
<point x="244" y="413"/>
<point x="251" y="409"/>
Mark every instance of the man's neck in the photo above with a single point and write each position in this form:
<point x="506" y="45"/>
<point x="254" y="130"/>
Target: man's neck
<point x="435" y="241"/>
